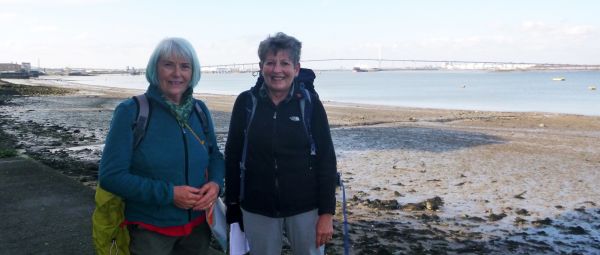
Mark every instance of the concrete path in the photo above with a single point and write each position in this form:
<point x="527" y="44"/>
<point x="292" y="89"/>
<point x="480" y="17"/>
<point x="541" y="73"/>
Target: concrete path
<point x="42" y="211"/>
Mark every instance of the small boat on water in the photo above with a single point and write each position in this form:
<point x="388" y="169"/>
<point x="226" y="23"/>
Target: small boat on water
<point x="592" y="87"/>
<point x="358" y="69"/>
<point x="558" y="79"/>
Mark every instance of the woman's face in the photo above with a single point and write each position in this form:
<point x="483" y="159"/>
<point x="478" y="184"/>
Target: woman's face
<point x="279" y="71"/>
<point x="174" y="74"/>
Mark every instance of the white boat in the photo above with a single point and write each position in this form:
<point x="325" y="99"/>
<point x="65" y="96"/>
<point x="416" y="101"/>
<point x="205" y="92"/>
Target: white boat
<point x="358" y="69"/>
<point x="558" y="79"/>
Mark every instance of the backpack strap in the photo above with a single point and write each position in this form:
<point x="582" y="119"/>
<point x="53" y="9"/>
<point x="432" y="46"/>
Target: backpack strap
<point x="141" y="122"/>
<point x="204" y="122"/>
<point x="306" y="111"/>
<point x="250" y="109"/>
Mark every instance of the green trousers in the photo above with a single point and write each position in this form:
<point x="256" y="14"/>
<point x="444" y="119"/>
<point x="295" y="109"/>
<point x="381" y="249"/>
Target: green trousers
<point x="145" y="242"/>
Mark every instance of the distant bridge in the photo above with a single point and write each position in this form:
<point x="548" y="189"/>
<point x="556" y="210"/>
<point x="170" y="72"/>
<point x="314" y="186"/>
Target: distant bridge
<point x="444" y="63"/>
<point x="440" y="61"/>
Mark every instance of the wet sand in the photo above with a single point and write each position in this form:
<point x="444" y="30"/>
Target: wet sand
<point x="418" y="181"/>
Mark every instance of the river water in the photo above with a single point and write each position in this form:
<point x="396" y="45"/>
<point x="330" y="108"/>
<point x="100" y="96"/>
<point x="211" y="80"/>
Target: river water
<point x="468" y="90"/>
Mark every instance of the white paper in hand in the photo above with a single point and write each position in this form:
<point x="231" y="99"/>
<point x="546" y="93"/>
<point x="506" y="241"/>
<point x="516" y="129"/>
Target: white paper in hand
<point x="238" y="244"/>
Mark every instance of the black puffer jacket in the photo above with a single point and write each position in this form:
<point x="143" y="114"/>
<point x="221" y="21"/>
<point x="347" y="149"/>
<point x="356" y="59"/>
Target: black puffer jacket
<point x="282" y="178"/>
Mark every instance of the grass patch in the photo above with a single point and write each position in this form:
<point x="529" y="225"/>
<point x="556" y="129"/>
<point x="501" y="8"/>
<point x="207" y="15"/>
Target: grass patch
<point x="8" y="153"/>
<point x="7" y="143"/>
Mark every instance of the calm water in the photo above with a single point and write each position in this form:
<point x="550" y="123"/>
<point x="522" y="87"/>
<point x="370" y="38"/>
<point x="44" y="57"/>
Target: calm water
<point x="470" y="90"/>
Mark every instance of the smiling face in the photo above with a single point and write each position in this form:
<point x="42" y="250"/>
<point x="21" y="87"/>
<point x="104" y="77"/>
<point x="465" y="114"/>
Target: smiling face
<point x="279" y="71"/>
<point x="174" y="75"/>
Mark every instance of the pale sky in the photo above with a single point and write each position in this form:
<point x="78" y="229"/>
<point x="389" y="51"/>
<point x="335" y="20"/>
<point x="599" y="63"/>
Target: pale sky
<point x="120" y="33"/>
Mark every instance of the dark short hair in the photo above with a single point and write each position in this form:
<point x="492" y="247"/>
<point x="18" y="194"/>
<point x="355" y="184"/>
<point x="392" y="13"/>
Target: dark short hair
<point x="178" y="47"/>
<point x="280" y="41"/>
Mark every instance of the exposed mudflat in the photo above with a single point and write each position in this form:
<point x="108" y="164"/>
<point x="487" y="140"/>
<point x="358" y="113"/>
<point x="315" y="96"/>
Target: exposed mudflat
<point x="418" y="181"/>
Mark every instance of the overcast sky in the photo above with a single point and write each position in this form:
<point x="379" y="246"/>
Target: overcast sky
<point x="120" y="33"/>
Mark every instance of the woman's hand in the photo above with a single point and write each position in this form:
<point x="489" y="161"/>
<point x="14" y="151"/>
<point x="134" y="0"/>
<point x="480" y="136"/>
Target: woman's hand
<point x="324" y="229"/>
<point x="185" y="197"/>
<point x="208" y="193"/>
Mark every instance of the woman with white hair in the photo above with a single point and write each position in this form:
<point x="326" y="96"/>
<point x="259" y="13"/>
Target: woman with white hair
<point x="171" y="176"/>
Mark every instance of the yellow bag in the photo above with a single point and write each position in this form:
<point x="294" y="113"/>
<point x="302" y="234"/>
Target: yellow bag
<point x="109" y="237"/>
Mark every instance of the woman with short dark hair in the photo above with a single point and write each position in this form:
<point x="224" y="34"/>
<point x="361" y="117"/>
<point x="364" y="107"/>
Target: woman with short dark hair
<point x="285" y="187"/>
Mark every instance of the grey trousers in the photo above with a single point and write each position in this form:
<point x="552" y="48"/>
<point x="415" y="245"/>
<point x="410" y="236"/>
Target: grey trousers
<point x="265" y="234"/>
<point x="146" y="242"/>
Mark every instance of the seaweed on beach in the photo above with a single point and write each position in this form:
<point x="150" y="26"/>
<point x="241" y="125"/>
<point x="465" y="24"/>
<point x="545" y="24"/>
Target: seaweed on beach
<point x="36" y="140"/>
<point x="7" y="145"/>
<point x="7" y="142"/>
<point x="7" y="88"/>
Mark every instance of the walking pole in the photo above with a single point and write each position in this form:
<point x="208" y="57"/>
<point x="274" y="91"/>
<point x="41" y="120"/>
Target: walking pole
<point x="346" y="237"/>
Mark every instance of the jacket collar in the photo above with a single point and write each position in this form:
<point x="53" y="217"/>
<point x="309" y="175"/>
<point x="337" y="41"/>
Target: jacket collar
<point x="156" y="94"/>
<point x="294" y="92"/>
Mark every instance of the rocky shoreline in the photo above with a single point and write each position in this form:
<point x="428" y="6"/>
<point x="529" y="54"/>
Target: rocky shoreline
<point x="419" y="181"/>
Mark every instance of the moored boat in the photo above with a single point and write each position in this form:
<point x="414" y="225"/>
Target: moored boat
<point x="358" y="69"/>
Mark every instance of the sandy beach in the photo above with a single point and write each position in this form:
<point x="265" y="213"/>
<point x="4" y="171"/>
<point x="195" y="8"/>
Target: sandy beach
<point x="418" y="181"/>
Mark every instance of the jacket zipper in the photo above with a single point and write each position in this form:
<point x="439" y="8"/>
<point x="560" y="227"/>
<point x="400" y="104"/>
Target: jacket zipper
<point x="185" y="149"/>
<point x="277" y="198"/>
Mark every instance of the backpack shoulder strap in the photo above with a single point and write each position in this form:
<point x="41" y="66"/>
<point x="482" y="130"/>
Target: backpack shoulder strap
<point x="141" y="122"/>
<point x="305" y="79"/>
<point x="306" y="109"/>
<point x="201" y="116"/>
<point x="250" y="108"/>
<point x="198" y="106"/>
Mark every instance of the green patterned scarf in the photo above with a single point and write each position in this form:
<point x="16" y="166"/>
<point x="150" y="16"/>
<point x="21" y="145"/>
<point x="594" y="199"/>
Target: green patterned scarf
<point x="182" y="111"/>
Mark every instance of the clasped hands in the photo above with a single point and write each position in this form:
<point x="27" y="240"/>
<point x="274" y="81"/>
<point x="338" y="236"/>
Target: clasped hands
<point x="187" y="197"/>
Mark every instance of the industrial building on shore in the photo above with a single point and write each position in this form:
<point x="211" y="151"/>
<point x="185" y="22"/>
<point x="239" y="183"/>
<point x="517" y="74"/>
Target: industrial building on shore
<point x="16" y="71"/>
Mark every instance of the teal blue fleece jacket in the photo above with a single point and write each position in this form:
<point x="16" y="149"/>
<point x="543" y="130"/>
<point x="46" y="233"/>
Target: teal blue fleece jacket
<point x="167" y="156"/>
